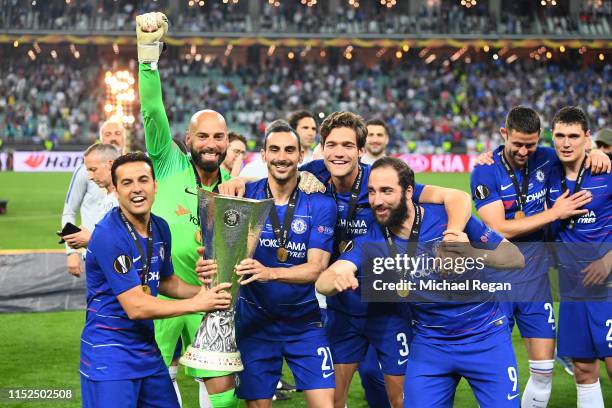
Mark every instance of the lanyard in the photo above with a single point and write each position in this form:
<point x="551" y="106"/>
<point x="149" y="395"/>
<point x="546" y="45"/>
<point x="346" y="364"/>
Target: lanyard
<point x="281" y="232"/>
<point x="414" y="233"/>
<point x="521" y="193"/>
<point x="199" y="181"/>
<point x="579" y="181"/>
<point x="351" y="208"/>
<point x="146" y="262"/>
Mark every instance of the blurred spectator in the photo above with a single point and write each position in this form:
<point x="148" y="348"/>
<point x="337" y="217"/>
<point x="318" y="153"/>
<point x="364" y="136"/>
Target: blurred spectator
<point x="448" y="17"/>
<point x="424" y="104"/>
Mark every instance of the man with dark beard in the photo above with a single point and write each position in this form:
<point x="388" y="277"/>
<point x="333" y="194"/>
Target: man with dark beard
<point x="179" y="175"/>
<point x="446" y="336"/>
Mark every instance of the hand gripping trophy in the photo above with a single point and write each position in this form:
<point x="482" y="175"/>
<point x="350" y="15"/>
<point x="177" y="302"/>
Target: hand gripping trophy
<point x="230" y="232"/>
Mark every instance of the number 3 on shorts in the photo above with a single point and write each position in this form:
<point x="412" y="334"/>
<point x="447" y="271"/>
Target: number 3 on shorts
<point x="401" y="337"/>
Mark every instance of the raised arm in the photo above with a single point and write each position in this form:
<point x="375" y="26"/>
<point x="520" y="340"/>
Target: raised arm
<point x="458" y="204"/>
<point x="164" y="153"/>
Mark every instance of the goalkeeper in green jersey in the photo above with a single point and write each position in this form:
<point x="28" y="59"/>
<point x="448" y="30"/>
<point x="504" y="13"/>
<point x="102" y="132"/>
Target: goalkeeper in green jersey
<point x="178" y="176"/>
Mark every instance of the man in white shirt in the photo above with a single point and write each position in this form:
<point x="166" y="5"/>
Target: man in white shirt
<point x="85" y="196"/>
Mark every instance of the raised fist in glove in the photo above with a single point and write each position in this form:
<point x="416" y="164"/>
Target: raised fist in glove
<point x="150" y="28"/>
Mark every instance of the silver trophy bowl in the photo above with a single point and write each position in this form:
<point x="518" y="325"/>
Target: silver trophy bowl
<point x="230" y="233"/>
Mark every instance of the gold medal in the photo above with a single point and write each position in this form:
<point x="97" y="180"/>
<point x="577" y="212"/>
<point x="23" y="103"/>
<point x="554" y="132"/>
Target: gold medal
<point x="403" y="292"/>
<point x="146" y="289"/>
<point x="342" y="246"/>
<point x="519" y="215"/>
<point x="282" y="254"/>
<point x="198" y="236"/>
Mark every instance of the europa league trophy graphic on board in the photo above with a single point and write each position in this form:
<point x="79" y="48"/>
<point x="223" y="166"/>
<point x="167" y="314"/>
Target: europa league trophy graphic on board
<point x="230" y="233"/>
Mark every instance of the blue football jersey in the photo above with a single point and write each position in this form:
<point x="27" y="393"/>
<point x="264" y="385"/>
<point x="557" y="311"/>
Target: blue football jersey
<point x="349" y="302"/>
<point x="438" y="321"/>
<point x="492" y="183"/>
<point x="277" y="310"/>
<point x="588" y="240"/>
<point x="113" y="347"/>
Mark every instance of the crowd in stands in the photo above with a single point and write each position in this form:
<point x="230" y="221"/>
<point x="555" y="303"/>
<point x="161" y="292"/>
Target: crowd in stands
<point x="462" y="103"/>
<point x="294" y="17"/>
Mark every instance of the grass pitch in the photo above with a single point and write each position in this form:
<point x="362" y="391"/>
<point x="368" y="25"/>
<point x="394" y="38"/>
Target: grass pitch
<point x="41" y="350"/>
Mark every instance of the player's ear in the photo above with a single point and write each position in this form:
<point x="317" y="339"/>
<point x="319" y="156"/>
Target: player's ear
<point x="187" y="137"/>
<point x="409" y="193"/>
<point x="504" y="133"/>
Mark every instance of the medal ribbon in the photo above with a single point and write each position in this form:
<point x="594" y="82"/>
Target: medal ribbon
<point x="281" y="233"/>
<point x="414" y="233"/>
<point x="352" y="205"/>
<point x="521" y="193"/>
<point x="579" y="181"/>
<point x="199" y="181"/>
<point x="146" y="262"/>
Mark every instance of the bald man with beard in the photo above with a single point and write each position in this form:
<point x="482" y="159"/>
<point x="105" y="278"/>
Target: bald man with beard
<point x="179" y="174"/>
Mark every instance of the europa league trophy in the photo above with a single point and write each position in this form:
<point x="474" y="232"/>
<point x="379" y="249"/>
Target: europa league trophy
<point x="230" y="233"/>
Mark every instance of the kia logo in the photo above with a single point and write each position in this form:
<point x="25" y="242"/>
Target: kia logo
<point x="417" y="162"/>
<point x="35" y="160"/>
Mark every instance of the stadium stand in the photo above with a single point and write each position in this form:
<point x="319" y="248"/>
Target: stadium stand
<point x="431" y="17"/>
<point x="429" y="104"/>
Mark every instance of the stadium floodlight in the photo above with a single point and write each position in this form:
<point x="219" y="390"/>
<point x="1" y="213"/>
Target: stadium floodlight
<point x="545" y="3"/>
<point x="388" y="3"/>
<point x="353" y="3"/>
<point x="120" y="97"/>
<point x="468" y="3"/>
<point x="274" y="3"/>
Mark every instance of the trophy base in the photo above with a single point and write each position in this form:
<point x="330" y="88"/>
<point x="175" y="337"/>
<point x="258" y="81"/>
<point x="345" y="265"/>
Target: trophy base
<point x="208" y="360"/>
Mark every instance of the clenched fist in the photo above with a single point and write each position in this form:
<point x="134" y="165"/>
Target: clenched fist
<point x="150" y="28"/>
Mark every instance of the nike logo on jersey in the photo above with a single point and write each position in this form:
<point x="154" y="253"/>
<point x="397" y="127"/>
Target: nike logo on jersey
<point x="511" y="397"/>
<point x="327" y="375"/>
<point x="400" y="362"/>
<point x="554" y="191"/>
<point x="506" y="187"/>
<point x="135" y="259"/>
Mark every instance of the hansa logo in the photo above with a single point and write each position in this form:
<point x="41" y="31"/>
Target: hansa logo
<point x="325" y="230"/>
<point x="299" y="226"/>
<point x="485" y="237"/>
<point x="35" y="160"/>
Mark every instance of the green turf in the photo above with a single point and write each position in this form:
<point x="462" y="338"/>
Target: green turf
<point x="35" y="203"/>
<point x="40" y="350"/>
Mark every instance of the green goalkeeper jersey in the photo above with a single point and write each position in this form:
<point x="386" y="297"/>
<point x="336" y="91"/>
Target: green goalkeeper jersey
<point x="176" y="198"/>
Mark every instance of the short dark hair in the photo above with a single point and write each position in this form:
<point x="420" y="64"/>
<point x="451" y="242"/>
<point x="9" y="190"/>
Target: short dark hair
<point x="280" y="125"/>
<point x="130" y="158"/>
<point x="571" y="115"/>
<point x="404" y="172"/>
<point x="296" y="116"/>
<point x="378" y="122"/>
<point x="523" y="119"/>
<point x="345" y="120"/>
<point x="236" y="136"/>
